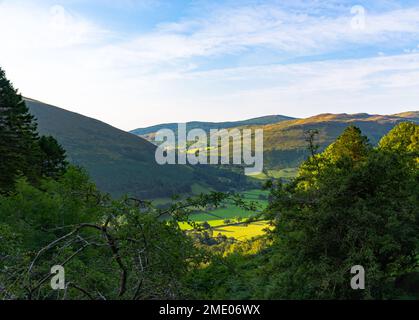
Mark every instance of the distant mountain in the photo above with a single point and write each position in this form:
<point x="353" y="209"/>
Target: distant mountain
<point x="413" y="115"/>
<point x="122" y="163"/>
<point x="285" y="143"/>
<point x="211" y="125"/>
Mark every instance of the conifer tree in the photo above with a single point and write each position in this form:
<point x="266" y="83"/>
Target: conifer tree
<point x="54" y="162"/>
<point x="19" y="148"/>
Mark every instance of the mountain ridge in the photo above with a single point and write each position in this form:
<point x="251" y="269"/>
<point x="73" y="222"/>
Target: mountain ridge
<point x="120" y="162"/>
<point x="123" y="163"/>
<point x="213" y="125"/>
<point x="275" y="119"/>
<point x="285" y="143"/>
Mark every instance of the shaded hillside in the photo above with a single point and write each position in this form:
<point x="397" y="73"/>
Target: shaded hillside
<point x="120" y="162"/>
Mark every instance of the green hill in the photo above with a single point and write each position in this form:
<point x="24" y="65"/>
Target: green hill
<point x="149" y="132"/>
<point x="122" y="163"/>
<point x="285" y="143"/>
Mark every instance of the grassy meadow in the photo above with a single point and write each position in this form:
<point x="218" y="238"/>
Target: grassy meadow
<point x="230" y="220"/>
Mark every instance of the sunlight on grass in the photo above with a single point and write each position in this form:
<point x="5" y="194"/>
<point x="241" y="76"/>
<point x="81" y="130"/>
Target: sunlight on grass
<point x="239" y="231"/>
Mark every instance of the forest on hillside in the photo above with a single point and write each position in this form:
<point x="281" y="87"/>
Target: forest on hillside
<point x="350" y="204"/>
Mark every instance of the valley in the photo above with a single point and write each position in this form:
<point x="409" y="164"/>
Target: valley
<point x="123" y="163"/>
<point x="232" y="221"/>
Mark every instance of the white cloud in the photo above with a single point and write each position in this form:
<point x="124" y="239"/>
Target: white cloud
<point x="26" y="26"/>
<point x="235" y="30"/>
<point x="376" y="85"/>
<point x="62" y="57"/>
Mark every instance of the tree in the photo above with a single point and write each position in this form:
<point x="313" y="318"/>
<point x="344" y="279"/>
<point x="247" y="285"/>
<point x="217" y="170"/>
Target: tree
<point x="110" y="249"/>
<point x="116" y="249"/>
<point x="349" y="150"/>
<point x="19" y="149"/>
<point x="359" y="208"/>
<point x="404" y="139"/>
<point x="22" y="152"/>
<point x="350" y="145"/>
<point x="205" y="225"/>
<point x="53" y="157"/>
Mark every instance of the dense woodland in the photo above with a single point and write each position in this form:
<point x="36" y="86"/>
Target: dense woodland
<point x="352" y="204"/>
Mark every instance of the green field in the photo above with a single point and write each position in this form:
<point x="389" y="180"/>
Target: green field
<point x="243" y="231"/>
<point x="217" y="217"/>
<point x="229" y="211"/>
<point x="239" y="231"/>
<point x="287" y="173"/>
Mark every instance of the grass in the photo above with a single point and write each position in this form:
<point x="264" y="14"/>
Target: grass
<point x="287" y="173"/>
<point x="198" y="189"/>
<point x="243" y="231"/>
<point x="230" y="211"/>
<point x="216" y="218"/>
<point x="239" y="231"/>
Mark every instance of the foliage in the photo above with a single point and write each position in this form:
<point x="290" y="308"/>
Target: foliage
<point x="232" y="274"/>
<point x="403" y="139"/>
<point x="19" y="151"/>
<point x="350" y="205"/>
<point x="22" y="151"/>
<point x="113" y="249"/>
<point x="54" y="162"/>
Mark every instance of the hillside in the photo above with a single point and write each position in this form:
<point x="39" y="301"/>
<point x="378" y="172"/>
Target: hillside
<point x="149" y="132"/>
<point x="285" y="143"/>
<point x="120" y="162"/>
<point x="413" y="115"/>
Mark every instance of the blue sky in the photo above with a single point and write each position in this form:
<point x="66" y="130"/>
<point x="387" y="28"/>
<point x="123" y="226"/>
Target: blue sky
<point x="134" y="63"/>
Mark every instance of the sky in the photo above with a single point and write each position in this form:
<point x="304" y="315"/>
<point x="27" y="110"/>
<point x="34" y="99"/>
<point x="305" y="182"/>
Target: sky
<point x="135" y="63"/>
